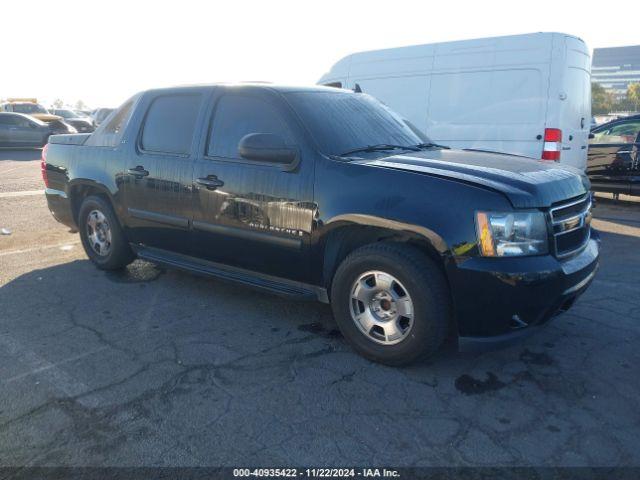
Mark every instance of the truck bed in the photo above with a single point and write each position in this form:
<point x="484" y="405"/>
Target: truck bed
<point x="70" y="139"/>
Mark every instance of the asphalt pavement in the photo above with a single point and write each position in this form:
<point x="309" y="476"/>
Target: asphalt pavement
<point x="155" y="367"/>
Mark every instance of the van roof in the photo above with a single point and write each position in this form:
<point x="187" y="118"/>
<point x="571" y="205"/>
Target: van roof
<point x="342" y="66"/>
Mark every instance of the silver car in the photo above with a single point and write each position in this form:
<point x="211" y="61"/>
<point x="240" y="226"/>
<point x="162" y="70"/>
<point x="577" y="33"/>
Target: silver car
<point x="19" y="130"/>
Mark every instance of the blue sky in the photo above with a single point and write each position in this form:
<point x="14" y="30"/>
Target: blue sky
<point x="102" y="52"/>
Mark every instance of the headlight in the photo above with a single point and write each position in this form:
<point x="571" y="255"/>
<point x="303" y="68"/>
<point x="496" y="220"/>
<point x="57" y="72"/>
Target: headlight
<point x="512" y="234"/>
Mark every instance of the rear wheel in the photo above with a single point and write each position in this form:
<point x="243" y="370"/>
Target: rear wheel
<point x="391" y="302"/>
<point x="102" y="237"/>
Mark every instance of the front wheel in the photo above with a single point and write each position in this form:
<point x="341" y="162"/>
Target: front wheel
<point x="391" y="302"/>
<point x="102" y="237"/>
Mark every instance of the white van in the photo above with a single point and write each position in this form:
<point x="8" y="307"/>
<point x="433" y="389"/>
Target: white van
<point x="523" y="94"/>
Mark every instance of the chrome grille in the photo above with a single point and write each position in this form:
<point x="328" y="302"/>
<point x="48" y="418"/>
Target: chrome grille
<point x="571" y="223"/>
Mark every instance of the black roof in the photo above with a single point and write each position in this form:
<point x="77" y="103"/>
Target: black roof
<point x="252" y="86"/>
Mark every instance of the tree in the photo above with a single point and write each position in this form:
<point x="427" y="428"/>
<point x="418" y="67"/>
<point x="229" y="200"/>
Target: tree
<point x="58" y="103"/>
<point x="80" y="105"/>
<point x="602" y="101"/>
<point x="633" y="94"/>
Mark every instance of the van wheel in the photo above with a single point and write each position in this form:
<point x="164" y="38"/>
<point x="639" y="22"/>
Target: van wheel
<point x="102" y="237"/>
<point x="391" y="302"/>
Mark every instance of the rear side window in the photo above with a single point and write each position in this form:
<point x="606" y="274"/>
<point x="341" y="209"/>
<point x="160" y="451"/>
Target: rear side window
<point x="236" y="116"/>
<point x="110" y="134"/>
<point x="170" y="124"/>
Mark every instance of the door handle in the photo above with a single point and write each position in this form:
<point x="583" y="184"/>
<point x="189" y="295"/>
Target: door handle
<point x="138" y="172"/>
<point x="211" y="182"/>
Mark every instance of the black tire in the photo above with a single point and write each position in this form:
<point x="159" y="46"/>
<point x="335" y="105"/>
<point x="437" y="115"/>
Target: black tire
<point x="119" y="253"/>
<point x="423" y="281"/>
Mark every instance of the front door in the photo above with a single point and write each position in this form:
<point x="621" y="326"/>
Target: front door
<point x="158" y="171"/>
<point x="613" y="156"/>
<point x="247" y="214"/>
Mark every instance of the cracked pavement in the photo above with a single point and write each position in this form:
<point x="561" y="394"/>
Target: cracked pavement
<point x="154" y="367"/>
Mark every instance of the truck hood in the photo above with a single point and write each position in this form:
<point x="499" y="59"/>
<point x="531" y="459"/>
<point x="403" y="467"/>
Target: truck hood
<point x="526" y="182"/>
<point x="46" y="117"/>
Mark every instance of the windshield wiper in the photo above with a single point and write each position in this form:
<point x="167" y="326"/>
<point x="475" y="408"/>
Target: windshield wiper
<point x="381" y="147"/>
<point x="431" y="145"/>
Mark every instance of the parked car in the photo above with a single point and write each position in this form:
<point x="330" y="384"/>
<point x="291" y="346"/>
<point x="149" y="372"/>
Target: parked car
<point x="80" y="123"/>
<point x="99" y="115"/>
<point x="32" y="108"/>
<point x="614" y="161"/>
<point x="326" y="194"/>
<point x="29" y="107"/>
<point x="524" y="94"/>
<point x="19" y="130"/>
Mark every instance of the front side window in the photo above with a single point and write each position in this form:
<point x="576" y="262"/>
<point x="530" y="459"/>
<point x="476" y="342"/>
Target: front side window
<point x="65" y="113"/>
<point x="238" y="115"/>
<point x="341" y="121"/>
<point x="625" y="132"/>
<point x="110" y="134"/>
<point x="170" y="123"/>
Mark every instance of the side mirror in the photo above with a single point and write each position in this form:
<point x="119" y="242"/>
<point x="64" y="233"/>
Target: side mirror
<point x="267" y="147"/>
<point x="591" y="135"/>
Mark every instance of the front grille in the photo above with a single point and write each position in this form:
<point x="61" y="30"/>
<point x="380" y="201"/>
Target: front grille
<point x="571" y="223"/>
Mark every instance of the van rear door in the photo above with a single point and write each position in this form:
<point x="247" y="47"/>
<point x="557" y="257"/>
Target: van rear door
<point x="574" y="101"/>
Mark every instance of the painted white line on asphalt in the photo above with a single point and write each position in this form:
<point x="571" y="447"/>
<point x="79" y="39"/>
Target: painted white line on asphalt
<point x="49" y="366"/>
<point x="7" y="170"/>
<point x="56" y="377"/>
<point x="23" y="193"/>
<point x="619" y="228"/>
<point x="35" y="249"/>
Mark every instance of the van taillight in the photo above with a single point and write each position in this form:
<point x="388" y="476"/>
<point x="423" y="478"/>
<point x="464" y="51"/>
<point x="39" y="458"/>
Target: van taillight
<point x="43" y="165"/>
<point x="552" y="144"/>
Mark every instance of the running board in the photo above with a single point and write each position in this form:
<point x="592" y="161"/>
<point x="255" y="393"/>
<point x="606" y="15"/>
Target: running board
<point x="252" y="279"/>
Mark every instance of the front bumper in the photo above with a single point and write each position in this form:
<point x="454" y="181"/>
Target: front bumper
<point x="498" y="300"/>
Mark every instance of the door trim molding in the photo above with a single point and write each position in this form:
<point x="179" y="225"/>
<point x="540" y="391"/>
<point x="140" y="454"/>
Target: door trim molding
<point x="163" y="218"/>
<point x="246" y="234"/>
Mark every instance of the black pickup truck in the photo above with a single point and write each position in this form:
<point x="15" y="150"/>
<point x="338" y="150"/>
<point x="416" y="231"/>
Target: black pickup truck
<point x="326" y="194"/>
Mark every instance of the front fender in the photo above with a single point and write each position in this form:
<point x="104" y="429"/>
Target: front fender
<point x="436" y="241"/>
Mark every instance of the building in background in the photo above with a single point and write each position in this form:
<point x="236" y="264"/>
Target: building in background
<point x="615" y="68"/>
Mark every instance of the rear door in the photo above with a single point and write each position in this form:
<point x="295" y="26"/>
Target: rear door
<point x="575" y="103"/>
<point x="613" y="156"/>
<point x="253" y="215"/>
<point x="5" y="125"/>
<point x="158" y="169"/>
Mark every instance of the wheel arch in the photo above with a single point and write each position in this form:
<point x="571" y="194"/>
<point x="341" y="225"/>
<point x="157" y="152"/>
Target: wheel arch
<point x="349" y="232"/>
<point x="79" y="189"/>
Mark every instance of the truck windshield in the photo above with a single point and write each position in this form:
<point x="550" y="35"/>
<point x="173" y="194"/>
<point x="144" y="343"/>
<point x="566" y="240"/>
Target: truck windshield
<point x="28" y="108"/>
<point x="344" y="122"/>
